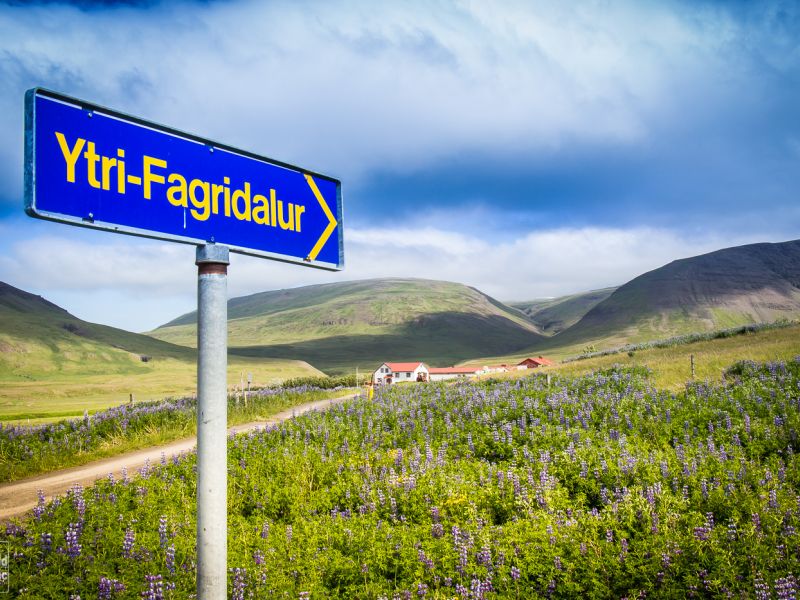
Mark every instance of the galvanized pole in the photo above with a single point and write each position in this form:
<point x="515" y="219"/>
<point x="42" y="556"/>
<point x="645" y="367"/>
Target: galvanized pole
<point x="212" y="422"/>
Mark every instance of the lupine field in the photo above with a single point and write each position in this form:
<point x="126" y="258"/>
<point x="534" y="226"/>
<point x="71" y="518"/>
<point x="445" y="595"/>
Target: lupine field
<point x="598" y="487"/>
<point x="30" y="450"/>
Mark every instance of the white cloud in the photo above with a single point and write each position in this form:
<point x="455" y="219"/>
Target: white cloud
<point x="137" y="284"/>
<point x="348" y="89"/>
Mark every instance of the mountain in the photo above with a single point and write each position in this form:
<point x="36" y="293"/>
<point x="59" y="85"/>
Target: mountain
<point x="553" y="315"/>
<point x="726" y="288"/>
<point x="37" y="335"/>
<point x="340" y="325"/>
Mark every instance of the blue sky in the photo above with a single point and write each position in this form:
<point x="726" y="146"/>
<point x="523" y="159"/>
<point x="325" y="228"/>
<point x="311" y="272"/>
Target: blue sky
<point x="530" y="149"/>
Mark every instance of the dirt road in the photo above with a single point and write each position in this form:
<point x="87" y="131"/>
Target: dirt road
<point x="18" y="497"/>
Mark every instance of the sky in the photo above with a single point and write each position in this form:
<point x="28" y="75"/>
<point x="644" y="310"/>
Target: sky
<point x="529" y="149"/>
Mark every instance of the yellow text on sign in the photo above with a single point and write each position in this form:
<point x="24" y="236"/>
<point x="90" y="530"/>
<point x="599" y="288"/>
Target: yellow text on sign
<point x="202" y="198"/>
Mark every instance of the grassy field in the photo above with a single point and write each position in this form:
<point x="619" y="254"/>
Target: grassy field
<point x="671" y="366"/>
<point x="53" y="364"/>
<point x="45" y="397"/>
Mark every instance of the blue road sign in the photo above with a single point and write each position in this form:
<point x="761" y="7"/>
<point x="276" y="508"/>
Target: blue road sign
<point x="94" y="167"/>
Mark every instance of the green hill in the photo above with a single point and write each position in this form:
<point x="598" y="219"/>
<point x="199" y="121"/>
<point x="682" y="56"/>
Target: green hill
<point x="553" y="315"/>
<point x="338" y="326"/>
<point x="735" y="286"/>
<point x="52" y="363"/>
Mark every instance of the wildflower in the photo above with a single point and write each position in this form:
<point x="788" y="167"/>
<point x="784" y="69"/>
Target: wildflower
<point x="239" y="583"/>
<point x="169" y="559"/>
<point x="128" y="542"/>
<point x="108" y="588"/>
<point x="162" y="531"/>
<point x="71" y="538"/>
<point x="786" y="588"/>
<point x="155" y="588"/>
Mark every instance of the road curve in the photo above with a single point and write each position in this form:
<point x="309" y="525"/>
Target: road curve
<point x="18" y="497"/>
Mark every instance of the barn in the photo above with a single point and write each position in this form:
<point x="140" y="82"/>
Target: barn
<point x="442" y="373"/>
<point x="535" y="363"/>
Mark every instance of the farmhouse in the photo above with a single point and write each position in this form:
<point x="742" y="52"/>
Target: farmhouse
<point x="399" y="372"/>
<point x="390" y="372"/>
<point x="535" y="363"/>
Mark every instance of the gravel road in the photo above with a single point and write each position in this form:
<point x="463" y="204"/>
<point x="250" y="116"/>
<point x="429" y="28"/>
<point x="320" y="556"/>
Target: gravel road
<point x="20" y="496"/>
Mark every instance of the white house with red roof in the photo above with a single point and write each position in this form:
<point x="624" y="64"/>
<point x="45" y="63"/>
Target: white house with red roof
<point x="398" y="372"/>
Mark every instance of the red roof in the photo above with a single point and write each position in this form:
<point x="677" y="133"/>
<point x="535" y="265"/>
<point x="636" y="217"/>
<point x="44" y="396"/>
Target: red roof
<point x="410" y="366"/>
<point x="453" y="370"/>
<point x="541" y="361"/>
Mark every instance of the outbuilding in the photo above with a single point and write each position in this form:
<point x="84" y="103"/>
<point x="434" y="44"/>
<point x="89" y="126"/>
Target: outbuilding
<point x="535" y="363"/>
<point x="443" y="373"/>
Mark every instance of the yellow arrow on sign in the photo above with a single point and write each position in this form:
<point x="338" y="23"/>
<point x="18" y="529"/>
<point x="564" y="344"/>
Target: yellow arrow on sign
<point x="331" y="219"/>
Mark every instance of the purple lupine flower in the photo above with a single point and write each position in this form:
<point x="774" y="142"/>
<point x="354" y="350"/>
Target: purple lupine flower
<point x="71" y="538"/>
<point x="773" y="498"/>
<point x="38" y="510"/>
<point x="78" y="501"/>
<point x="289" y="532"/>
<point x="786" y="588"/>
<point x="557" y="564"/>
<point x="515" y="574"/>
<point x="423" y="558"/>
<point x="761" y="588"/>
<point x="422" y="590"/>
<point x="162" y="531"/>
<point x="258" y="557"/>
<point x="46" y="542"/>
<point x="265" y="530"/>
<point x="128" y="542"/>
<point x="756" y="519"/>
<point x="239" y="583"/>
<point x="437" y="530"/>
<point x="476" y="589"/>
<point x="484" y="557"/>
<point x="108" y="588"/>
<point x="155" y="588"/>
<point x="169" y="559"/>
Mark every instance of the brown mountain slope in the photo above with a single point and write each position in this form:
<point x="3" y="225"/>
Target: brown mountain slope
<point x="734" y="286"/>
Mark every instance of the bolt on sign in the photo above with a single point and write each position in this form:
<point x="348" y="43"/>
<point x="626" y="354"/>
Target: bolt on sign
<point x="94" y="167"/>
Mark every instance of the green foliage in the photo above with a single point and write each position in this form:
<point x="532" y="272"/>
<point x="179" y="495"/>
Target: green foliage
<point x="26" y="451"/>
<point x="597" y="487"/>
<point x="323" y="382"/>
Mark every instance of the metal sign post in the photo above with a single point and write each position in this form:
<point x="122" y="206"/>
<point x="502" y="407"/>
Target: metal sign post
<point x="212" y="421"/>
<point x="94" y="167"/>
